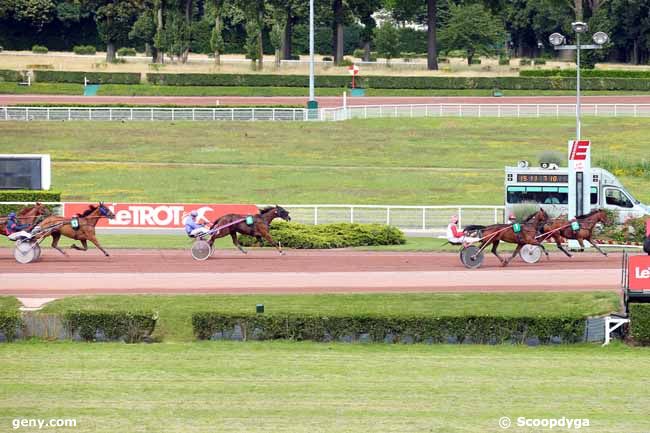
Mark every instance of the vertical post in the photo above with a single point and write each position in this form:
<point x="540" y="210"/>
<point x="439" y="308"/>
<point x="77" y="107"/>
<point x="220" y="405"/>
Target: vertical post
<point x="214" y="114"/>
<point x="537" y="110"/>
<point x="48" y="113"/>
<point x="193" y="117"/>
<point x="315" y="215"/>
<point x="424" y="218"/>
<point x="460" y="110"/>
<point x="351" y="215"/>
<point x="496" y="216"/>
<point x="518" y="110"/>
<point x="635" y="110"/>
<point x="578" y="108"/>
<point x="426" y="110"/>
<point x="152" y="114"/>
<point x="131" y="114"/>
<point x="479" y="110"/>
<point x="27" y="114"/>
<point x="173" y="111"/>
<point x="557" y="111"/>
<point x="253" y="114"/>
<point x="387" y="216"/>
<point x="69" y="115"/>
<point x="460" y="217"/>
<point x="365" y="111"/>
<point x="311" y="50"/>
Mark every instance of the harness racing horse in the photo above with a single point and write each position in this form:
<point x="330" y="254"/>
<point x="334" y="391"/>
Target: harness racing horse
<point x="56" y="226"/>
<point x="31" y="215"/>
<point x="561" y="227"/>
<point x="259" y="228"/>
<point x="496" y="233"/>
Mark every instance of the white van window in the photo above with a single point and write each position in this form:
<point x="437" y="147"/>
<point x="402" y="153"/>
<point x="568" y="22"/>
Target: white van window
<point x="616" y="197"/>
<point x="543" y="195"/>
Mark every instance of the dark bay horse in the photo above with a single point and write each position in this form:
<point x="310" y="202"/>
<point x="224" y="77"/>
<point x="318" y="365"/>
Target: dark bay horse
<point x="496" y="233"/>
<point x="31" y="215"/>
<point x="259" y="229"/>
<point x="85" y="232"/>
<point x="559" y="228"/>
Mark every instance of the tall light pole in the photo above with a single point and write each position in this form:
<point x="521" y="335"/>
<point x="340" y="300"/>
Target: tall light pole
<point x="579" y="170"/>
<point x="312" y="104"/>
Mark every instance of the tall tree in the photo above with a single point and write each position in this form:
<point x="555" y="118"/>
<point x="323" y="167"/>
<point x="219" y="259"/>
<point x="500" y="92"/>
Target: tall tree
<point x="337" y="30"/>
<point x="364" y="11"/>
<point x="114" y="20"/>
<point x="216" y="39"/>
<point x="387" y="41"/>
<point x="405" y="10"/>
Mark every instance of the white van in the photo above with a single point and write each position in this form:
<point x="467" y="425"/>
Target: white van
<point x="549" y="187"/>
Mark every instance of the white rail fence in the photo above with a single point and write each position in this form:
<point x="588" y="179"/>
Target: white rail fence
<point x="151" y="114"/>
<point x="483" y="110"/>
<point x="408" y="218"/>
<point x="325" y="114"/>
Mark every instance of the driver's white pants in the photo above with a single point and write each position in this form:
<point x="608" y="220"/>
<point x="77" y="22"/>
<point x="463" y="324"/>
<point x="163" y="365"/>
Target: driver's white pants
<point x="18" y="235"/>
<point x="463" y="240"/>
<point x="199" y="231"/>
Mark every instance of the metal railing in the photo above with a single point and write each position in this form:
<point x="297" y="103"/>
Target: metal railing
<point x="152" y="114"/>
<point x="325" y="114"/>
<point x="411" y="218"/>
<point x="483" y="110"/>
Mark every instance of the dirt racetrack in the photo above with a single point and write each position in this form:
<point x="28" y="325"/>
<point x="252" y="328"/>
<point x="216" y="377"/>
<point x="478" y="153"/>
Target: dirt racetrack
<point x="174" y="271"/>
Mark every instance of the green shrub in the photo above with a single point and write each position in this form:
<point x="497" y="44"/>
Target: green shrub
<point x="132" y="327"/>
<point x="504" y="61"/>
<point x="9" y="322"/>
<point x="345" y="61"/>
<point x="540" y="62"/>
<point x="586" y="73"/>
<point x="524" y="62"/>
<point x="93" y="77"/>
<point x="39" y="49"/>
<point x="327" y="59"/>
<point x="417" y="329"/>
<point x="475" y="61"/>
<point x="640" y="323"/>
<point x="457" y="53"/>
<point x="443" y="60"/>
<point x="84" y="50"/>
<point x="358" y="53"/>
<point x="325" y="236"/>
<point x="124" y="51"/>
<point x="25" y="196"/>
<point x="551" y="157"/>
<point x="10" y="76"/>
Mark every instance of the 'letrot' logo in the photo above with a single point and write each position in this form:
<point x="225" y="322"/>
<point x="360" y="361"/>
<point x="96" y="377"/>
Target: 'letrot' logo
<point x="641" y="273"/>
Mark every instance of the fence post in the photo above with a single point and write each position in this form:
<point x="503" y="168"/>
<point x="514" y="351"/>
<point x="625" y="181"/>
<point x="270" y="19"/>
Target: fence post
<point x="460" y="110"/>
<point x="193" y="116"/>
<point x="173" y="113"/>
<point x="537" y="110"/>
<point x="479" y="110"/>
<point x="351" y="215"/>
<point x="499" y="110"/>
<point x="315" y="215"/>
<point x="273" y="114"/>
<point x="152" y="114"/>
<point x="411" y="111"/>
<point x="48" y="113"/>
<point x="381" y="114"/>
<point x="460" y="217"/>
<point x="232" y="114"/>
<point x="387" y="216"/>
<point x="496" y="220"/>
<point x="518" y="110"/>
<point x="131" y="114"/>
<point x="557" y="111"/>
<point x="253" y="114"/>
<point x="365" y="111"/>
<point x="27" y="114"/>
<point x="615" y="110"/>
<point x="635" y="110"/>
<point x="69" y="115"/>
<point x="424" y="218"/>
<point x="426" y="110"/>
<point x="6" y="113"/>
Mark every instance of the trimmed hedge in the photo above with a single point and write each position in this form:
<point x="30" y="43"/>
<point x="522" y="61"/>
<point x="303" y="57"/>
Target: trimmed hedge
<point x="93" y="77"/>
<point x="571" y="73"/>
<point x="124" y="51"/>
<point x="132" y="327"/>
<point x="400" y="82"/>
<point x="640" y="323"/>
<point x="84" y="50"/>
<point x="9" y="322"/>
<point x="324" y="236"/>
<point x="39" y="49"/>
<point x="430" y="329"/>
<point x="24" y="196"/>
<point x="10" y="76"/>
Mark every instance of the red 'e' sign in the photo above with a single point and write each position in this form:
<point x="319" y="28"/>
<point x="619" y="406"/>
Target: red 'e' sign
<point x="579" y="150"/>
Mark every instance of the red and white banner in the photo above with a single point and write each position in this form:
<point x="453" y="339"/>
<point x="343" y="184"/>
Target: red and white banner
<point x="579" y="150"/>
<point x="158" y="215"/>
<point x="638" y="271"/>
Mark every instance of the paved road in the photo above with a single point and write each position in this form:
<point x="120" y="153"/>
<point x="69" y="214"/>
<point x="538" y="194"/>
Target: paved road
<point x="173" y="271"/>
<point x="324" y="102"/>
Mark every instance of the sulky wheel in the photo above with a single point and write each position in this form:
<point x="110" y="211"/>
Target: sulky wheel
<point x="471" y="257"/>
<point x="530" y="253"/>
<point x="26" y="252"/>
<point x="201" y="250"/>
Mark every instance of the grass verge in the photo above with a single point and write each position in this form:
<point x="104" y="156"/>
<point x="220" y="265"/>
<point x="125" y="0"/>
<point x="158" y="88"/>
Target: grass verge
<point x="308" y="387"/>
<point x="175" y="311"/>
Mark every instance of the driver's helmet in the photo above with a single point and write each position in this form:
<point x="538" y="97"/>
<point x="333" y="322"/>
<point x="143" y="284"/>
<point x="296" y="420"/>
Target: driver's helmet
<point x="512" y="217"/>
<point x="453" y="219"/>
<point x="12" y="215"/>
<point x="194" y="214"/>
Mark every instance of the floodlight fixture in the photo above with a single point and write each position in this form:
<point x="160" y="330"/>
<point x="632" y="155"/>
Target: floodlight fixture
<point x="600" y="38"/>
<point x="556" y="39"/>
<point x="579" y="27"/>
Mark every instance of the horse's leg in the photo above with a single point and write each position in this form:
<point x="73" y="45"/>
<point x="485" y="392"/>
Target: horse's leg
<point x="93" y="239"/>
<point x="596" y="246"/>
<point x="541" y="245"/>
<point x="55" y="242"/>
<point x="495" y="244"/>
<point x="514" y="254"/>
<point x="582" y="245"/>
<point x="558" y="242"/>
<point x="233" y="235"/>
<point x="260" y="241"/>
<point x="83" y="242"/>
<point x="267" y="236"/>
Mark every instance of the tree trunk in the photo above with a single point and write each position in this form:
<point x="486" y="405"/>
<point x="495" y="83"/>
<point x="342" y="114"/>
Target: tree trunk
<point x="432" y="49"/>
<point x="470" y="57"/>
<point x="287" y="47"/>
<point x="110" y="51"/>
<point x="160" y="54"/>
<point x="635" y="52"/>
<point x="278" y="57"/>
<point x="260" y="44"/>
<point x="337" y="34"/>
<point x="366" y="51"/>
<point x="188" y="21"/>
<point x="578" y="8"/>
<point x="217" y="28"/>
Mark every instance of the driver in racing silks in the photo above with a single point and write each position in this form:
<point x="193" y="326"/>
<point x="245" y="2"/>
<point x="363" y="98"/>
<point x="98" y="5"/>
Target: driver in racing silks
<point x="14" y="229"/>
<point x="193" y="227"/>
<point x="456" y="236"/>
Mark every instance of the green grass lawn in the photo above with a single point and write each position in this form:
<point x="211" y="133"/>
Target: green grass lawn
<point x="8" y="303"/>
<point x="176" y="311"/>
<point x="381" y="161"/>
<point x="311" y="387"/>
<point x="42" y="88"/>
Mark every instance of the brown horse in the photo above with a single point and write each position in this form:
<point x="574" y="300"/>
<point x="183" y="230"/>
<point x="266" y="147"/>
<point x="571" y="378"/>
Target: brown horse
<point x="259" y="228"/>
<point x="84" y="232"/>
<point x="494" y="234"/>
<point x="560" y="227"/>
<point x="31" y="215"/>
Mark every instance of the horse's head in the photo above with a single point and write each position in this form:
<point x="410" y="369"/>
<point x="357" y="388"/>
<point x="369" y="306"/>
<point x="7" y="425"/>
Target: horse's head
<point x="105" y="211"/>
<point x="282" y="213"/>
<point x="601" y="216"/>
<point x="539" y="217"/>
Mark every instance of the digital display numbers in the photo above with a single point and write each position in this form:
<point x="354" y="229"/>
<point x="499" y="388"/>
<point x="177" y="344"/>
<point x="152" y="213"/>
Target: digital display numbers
<point x="543" y="178"/>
